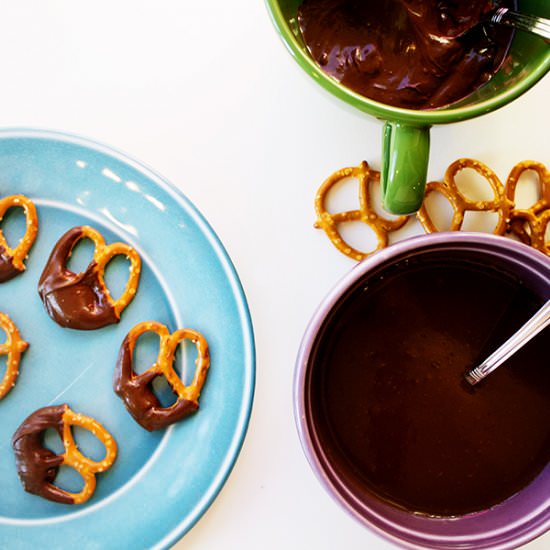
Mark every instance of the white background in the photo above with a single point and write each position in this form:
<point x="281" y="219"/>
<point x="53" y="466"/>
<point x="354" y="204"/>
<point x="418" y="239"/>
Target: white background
<point x="205" y="93"/>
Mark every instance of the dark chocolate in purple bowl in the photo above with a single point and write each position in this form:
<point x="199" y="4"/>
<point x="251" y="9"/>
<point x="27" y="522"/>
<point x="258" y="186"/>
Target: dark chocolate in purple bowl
<point x="370" y="470"/>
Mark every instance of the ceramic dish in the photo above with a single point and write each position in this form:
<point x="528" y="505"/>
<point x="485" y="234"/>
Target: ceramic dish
<point x="162" y="482"/>
<point x="515" y="521"/>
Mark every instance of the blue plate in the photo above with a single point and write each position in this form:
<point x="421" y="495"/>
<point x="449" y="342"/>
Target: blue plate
<point x="161" y="482"/>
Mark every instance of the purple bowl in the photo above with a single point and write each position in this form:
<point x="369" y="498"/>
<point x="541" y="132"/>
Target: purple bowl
<point x="509" y="524"/>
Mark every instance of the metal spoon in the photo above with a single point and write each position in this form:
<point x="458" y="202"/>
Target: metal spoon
<point x="521" y="21"/>
<point x="504" y="16"/>
<point x="540" y="320"/>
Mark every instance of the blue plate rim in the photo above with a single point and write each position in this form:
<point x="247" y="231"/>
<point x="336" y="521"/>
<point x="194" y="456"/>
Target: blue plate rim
<point x="181" y="199"/>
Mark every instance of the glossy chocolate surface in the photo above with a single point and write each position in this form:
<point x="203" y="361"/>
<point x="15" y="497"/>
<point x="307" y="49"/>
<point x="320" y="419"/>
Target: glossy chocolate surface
<point x="406" y="53"/>
<point x="7" y="269"/>
<point x="388" y="398"/>
<point x="74" y="300"/>
<point x="37" y="466"/>
<point x="139" y="398"/>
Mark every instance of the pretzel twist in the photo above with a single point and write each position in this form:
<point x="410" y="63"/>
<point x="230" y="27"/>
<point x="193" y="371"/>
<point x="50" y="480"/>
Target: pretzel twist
<point x="13" y="347"/>
<point x="460" y="204"/>
<point x="529" y="224"/>
<point x="21" y="251"/>
<point x="38" y="465"/>
<point x="537" y="225"/>
<point x="103" y="254"/>
<point x="136" y="391"/>
<point x="366" y="213"/>
<point x="164" y="364"/>
<point x="85" y="466"/>
<point x="543" y="175"/>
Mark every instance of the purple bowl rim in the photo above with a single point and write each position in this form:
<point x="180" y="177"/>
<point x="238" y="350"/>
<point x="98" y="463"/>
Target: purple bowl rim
<point x="417" y="243"/>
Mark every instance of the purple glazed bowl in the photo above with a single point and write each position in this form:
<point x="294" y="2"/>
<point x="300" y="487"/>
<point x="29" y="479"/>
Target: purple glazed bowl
<point x="509" y="524"/>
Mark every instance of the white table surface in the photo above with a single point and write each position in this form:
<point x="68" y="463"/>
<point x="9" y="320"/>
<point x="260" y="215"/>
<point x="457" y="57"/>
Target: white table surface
<point x="206" y="94"/>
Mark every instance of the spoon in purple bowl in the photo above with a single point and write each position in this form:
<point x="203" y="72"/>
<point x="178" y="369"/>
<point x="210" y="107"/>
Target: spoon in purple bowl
<point x="531" y="328"/>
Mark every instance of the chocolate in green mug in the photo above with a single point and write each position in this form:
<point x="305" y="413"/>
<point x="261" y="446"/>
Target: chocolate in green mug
<point x="406" y="137"/>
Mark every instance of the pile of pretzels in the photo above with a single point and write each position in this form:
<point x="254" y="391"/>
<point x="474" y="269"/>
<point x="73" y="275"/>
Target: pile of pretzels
<point x="527" y="224"/>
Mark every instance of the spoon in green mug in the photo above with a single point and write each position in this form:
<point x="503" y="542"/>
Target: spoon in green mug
<point x="521" y="21"/>
<point x="504" y="16"/>
<point x="538" y="322"/>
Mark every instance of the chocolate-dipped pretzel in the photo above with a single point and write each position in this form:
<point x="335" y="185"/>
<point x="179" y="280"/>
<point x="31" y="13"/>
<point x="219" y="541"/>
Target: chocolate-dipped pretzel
<point x="12" y="259"/>
<point x="81" y="300"/>
<point x="13" y="347"/>
<point x="135" y="390"/>
<point x="38" y="466"/>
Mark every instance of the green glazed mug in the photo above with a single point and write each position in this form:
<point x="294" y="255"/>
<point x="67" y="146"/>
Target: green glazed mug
<point x="406" y="132"/>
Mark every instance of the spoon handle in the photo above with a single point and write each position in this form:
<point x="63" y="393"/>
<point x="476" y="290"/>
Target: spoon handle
<point x="540" y="320"/>
<point x="523" y="22"/>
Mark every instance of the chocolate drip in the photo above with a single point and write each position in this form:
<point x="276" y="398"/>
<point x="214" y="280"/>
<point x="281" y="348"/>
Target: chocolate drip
<point x="37" y="466"/>
<point x="7" y="269"/>
<point x="74" y="300"/>
<point x="418" y="54"/>
<point x="140" y="400"/>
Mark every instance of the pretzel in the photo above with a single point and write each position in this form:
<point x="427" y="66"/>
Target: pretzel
<point x="13" y="347"/>
<point x="38" y="466"/>
<point x="12" y="259"/>
<point x="528" y="224"/>
<point x="135" y="389"/>
<point x="532" y="228"/>
<point x="81" y="300"/>
<point x="500" y="203"/>
<point x="366" y="213"/>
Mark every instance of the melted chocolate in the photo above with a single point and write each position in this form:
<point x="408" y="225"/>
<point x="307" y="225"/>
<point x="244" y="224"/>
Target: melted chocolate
<point x="403" y="52"/>
<point x="390" y="403"/>
<point x="37" y="466"/>
<point x="7" y="269"/>
<point x="138" y="396"/>
<point x="74" y="300"/>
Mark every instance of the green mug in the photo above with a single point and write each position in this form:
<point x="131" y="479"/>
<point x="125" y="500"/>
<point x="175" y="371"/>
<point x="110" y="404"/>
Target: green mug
<point x="406" y="133"/>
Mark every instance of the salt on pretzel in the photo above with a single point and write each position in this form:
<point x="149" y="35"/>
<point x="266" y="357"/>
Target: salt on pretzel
<point x="13" y="347"/>
<point x="460" y="204"/>
<point x="529" y="224"/>
<point x="12" y="260"/>
<point x="82" y="300"/>
<point x="366" y="213"/>
<point x="135" y="389"/>
<point x="38" y="466"/>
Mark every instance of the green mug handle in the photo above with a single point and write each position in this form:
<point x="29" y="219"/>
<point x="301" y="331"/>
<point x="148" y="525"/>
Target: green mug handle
<point x="405" y="154"/>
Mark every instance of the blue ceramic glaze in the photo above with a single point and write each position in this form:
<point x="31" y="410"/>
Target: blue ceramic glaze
<point x="162" y="482"/>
